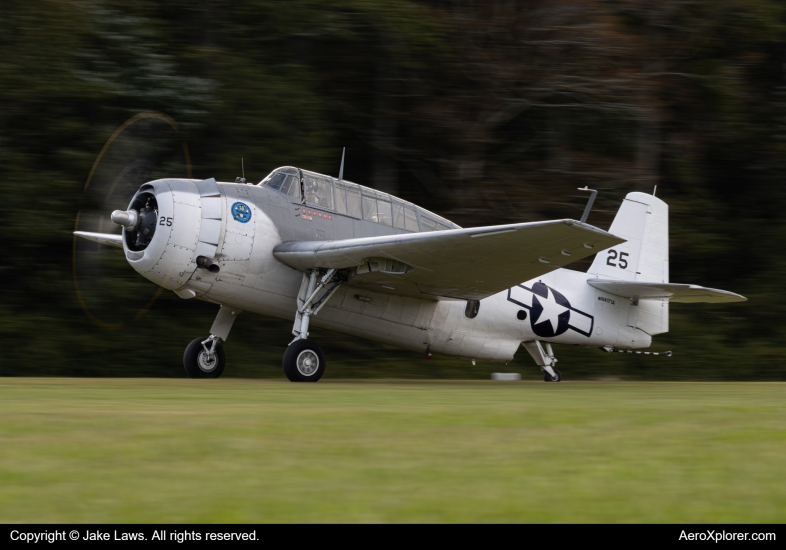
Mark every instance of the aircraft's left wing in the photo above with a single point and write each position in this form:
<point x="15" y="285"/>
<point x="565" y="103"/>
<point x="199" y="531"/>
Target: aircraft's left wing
<point x="104" y="238"/>
<point x="465" y="264"/>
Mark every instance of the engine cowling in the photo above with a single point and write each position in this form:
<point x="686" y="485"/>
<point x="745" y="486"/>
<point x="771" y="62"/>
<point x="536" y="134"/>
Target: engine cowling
<point x="160" y="233"/>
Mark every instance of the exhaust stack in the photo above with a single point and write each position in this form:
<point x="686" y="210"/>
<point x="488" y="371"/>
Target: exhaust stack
<point x="206" y="263"/>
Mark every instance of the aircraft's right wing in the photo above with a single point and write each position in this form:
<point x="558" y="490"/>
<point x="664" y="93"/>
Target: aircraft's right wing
<point x="465" y="264"/>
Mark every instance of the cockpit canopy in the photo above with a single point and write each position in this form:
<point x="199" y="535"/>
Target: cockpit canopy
<point x="351" y="199"/>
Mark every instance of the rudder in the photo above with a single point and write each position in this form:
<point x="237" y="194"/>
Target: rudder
<point x="643" y="221"/>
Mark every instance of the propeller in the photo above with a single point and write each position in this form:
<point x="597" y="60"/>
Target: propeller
<point x="147" y="146"/>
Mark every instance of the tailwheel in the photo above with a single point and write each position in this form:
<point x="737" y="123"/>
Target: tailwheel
<point x="204" y="360"/>
<point x="548" y="378"/>
<point x="304" y="361"/>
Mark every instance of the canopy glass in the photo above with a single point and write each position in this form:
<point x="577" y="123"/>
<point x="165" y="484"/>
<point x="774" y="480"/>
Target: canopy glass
<point x="351" y="199"/>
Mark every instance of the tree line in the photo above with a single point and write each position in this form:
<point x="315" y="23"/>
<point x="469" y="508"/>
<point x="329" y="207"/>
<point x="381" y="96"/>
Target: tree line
<point x="484" y="112"/>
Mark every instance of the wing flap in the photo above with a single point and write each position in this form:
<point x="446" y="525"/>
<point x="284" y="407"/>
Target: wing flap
<point x="103" y="238"/>
<point x="673" y="292"/>
<point x="465" y="264"/>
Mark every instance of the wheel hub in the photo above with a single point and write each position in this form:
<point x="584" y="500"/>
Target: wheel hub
<point x="206" y="361"/>
<point x="307" y="362"/>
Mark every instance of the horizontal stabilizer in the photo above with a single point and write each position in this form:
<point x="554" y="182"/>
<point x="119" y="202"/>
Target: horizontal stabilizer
<point x="665" y="291"/>
<point x="464" y="264"/>
<point x="103" y="238"/>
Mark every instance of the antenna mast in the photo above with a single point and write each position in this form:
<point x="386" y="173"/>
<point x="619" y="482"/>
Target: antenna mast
<point x="590" y="202"/>
<point x="243" y="170"/>
<point x="341" y="170"/>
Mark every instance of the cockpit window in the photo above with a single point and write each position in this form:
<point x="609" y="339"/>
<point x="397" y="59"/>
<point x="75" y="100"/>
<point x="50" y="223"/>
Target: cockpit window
<point x="410" y="219"/>
<point x="276" y="181"/>
<point x="377" y="207"/>
<point x="428" y="224"/>
<point x="291" y="186"/>
<point x="432" y="222"/>
<point x="404" y="216"/>
<point x="287" y="184"/>
<point x="384" y="213"/>
<point x="318" y="190"/>
<point x="471" y="311"/>
<point x="348" y="199"/>
<point x="283" y="170"/>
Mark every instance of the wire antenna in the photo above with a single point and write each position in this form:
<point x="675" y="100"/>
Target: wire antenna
<point x="341" y="170"/>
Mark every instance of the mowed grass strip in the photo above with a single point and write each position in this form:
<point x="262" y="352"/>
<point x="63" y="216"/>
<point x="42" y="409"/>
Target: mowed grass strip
<point x="157" y="450"/>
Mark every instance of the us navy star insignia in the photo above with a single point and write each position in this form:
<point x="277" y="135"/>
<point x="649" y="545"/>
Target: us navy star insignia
<point x="551" y="309"/>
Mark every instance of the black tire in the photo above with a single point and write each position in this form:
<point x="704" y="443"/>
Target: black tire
<point x="306" y="351"/>
<point x="547" y="377"/>
<point x="195" y="366"/>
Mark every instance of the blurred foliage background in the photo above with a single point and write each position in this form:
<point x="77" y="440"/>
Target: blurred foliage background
<point x="486" y="112"/>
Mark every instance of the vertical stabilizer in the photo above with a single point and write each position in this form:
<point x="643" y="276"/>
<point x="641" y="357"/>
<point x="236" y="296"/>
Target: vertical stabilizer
<point x="643" y="221"/>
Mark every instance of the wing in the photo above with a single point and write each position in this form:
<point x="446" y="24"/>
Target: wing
<point x="464" y="264"/>
<point x="671" y="291"/>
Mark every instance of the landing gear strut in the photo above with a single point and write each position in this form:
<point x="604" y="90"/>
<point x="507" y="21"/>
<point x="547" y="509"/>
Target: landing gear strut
<point x="304" y="360"/>
<point x="204" y="357"/>
<point x="544" y="359"/>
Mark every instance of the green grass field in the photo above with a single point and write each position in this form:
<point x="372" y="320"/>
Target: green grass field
<point x="162" y="450"/>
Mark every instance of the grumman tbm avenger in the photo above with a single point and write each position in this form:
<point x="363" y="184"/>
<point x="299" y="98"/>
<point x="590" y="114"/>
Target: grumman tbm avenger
<point x="311" y="248"/>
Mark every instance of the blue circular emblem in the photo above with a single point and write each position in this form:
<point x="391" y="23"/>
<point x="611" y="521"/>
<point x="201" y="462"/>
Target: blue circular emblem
<point x="241" y="212"/>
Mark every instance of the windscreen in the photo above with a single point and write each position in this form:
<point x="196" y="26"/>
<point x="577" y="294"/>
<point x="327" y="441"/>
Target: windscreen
<point x="291" y="186"/>
<point x="275" y="181"/>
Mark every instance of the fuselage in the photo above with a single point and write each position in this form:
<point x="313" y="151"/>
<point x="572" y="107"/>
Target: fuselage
<point x="559" y="307"/>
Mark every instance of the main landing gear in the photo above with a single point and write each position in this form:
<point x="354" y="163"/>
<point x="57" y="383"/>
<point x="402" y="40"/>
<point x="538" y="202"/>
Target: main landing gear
<point x="304" y="360"/>
<point x="204" y="357"/>
<point x="544" y="359"/>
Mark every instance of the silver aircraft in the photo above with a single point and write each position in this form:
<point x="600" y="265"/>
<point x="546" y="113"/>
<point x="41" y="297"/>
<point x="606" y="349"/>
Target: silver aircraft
<point x="311" y="248"/>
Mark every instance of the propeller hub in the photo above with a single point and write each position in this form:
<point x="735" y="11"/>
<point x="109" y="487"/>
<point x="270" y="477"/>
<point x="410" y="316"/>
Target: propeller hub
<point x="127" y="219"/>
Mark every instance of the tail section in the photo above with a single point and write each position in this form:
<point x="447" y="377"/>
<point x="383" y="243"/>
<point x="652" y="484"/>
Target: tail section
<point x="643" y="221"/>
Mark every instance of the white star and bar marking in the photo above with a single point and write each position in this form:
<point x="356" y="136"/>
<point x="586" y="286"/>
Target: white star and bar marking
<point x="551" y="310"/>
